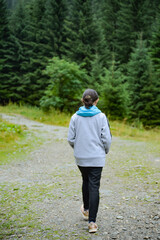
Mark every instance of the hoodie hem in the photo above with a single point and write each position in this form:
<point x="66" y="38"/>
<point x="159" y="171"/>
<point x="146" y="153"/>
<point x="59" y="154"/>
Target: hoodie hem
<point x="90" y="162"/>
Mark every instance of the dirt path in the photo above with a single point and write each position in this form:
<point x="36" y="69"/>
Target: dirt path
<point x="41" y="195"/>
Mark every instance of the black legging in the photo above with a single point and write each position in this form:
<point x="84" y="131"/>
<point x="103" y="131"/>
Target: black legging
<point x="90" y="189"/>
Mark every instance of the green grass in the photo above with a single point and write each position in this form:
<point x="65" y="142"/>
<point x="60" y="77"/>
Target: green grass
<point x="53" y="117"/>
<point x="15" y="141"/>
<point x="119" y="129"/>
<point x="122" y="129"/>
<point x="17" y="209"/>
<point x="10" y="132"/>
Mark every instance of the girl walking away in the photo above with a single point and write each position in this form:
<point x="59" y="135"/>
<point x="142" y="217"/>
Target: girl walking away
<point x="90" y="136"/>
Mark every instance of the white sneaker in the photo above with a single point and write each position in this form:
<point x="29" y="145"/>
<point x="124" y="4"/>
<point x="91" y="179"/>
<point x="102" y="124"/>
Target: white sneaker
<point x="85" y="213"/>
<point x="92" y="227"/>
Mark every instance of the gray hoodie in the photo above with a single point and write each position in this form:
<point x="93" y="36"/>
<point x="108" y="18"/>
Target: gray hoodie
<point x="90" y="137"/>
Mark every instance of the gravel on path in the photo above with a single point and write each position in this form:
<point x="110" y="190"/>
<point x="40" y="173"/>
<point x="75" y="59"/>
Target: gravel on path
<point x="129" y="194"/>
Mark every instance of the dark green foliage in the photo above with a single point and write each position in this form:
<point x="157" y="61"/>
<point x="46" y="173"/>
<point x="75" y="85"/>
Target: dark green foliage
<point x="29" y="80"/>
<point x="144" y="99"/>
<point x="134" y="18"/>
<point x="8" y="61"/>
<point x="124" y="32"/>
<point x="11" y="3"/>
<point x="155" y="48"/>
<point x="82" y="35"/>
<point x="108" y="16"/>
<point x="93" y="34"/>
<point x="46" y="33"/>
<point x="114" y="93"/>
<point x="54" y="17"/>
<point x="67" y="83"/>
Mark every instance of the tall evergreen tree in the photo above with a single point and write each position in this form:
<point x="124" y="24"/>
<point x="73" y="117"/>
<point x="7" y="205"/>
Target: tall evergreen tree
<point x="114" y="95"/>
<point x="53" y="20"/>
<point x="36" y="49"/>
<point x="8" y="60"/>
<point x="144" y="100"/>
<point x="47" y="25"/>
<point x="108" y="16"/>
<point x="103" y="55"/>
<point x="23" y="32"/>
<point x="155" y="47"/>
<point x="82" y="34"/>
<point x="124" y="32"/>
<point x="133" y="19"/>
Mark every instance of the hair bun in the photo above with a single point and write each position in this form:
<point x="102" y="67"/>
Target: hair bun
<point x="89" y="97"/>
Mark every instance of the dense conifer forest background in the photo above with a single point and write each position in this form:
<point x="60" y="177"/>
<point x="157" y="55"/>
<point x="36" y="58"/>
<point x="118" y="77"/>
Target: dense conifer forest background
<point x="51" y="50"/>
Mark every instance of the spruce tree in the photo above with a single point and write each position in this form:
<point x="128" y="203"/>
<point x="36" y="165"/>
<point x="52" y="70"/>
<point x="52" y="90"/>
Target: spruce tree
<point x="124" y="35"/>
<point x="36" y="49"/>
<point x="108" y="18"/>
<point x="155" y="47"/>
<point x="103" y="54"/>
<point x="53" y="20"/>
<point x="114" y="95"/>
<point x="134" y="18"/>
<point x="20" y="26"/>
<point x="8" y="60"/>
<point x="144" y="100"/>
<point x="47" y="22"/>
<point x="82" y="34"/>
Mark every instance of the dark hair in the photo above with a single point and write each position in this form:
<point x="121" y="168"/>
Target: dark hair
<point x="89" y="97"/>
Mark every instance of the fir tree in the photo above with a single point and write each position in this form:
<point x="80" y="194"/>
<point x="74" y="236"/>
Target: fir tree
<point x="82" y="34"/>
<point x="108" y="18"/>
<point x="134" y="18"/>
<point x="144" y="100"/>
<point x="155" y="47"/>
<point x="8" y="60"/>
<point x="124" y="32"/>
<point x="114" y="96"/>
<point x="54" y="17"/>
<point x="36" y="53"/>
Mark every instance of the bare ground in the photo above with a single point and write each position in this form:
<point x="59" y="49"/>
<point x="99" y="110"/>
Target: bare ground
<point x="41" y="193"/>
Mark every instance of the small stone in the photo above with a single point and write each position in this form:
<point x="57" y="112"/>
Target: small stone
<point x="120" y="217"/>
<point x="124" y="229"/>
<point x="113" y="236"/>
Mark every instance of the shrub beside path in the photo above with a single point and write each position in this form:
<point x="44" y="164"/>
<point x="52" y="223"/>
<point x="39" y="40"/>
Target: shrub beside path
<point x="41" y="193"/>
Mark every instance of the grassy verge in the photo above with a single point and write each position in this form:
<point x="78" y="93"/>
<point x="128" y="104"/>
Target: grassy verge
<point x="53" y="117"/>
<point x="15" y="141"/>
<point x="119" y="129"/>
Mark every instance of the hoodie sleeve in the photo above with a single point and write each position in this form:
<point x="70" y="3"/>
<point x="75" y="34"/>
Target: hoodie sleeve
<point x="106" y="136"/>
<point x="71" y="133"/>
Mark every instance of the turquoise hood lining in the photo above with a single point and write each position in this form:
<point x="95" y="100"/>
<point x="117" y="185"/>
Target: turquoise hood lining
<point x="88" y="112"/>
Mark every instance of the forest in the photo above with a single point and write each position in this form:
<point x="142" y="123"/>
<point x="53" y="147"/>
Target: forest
<point x="51" y="50"/>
